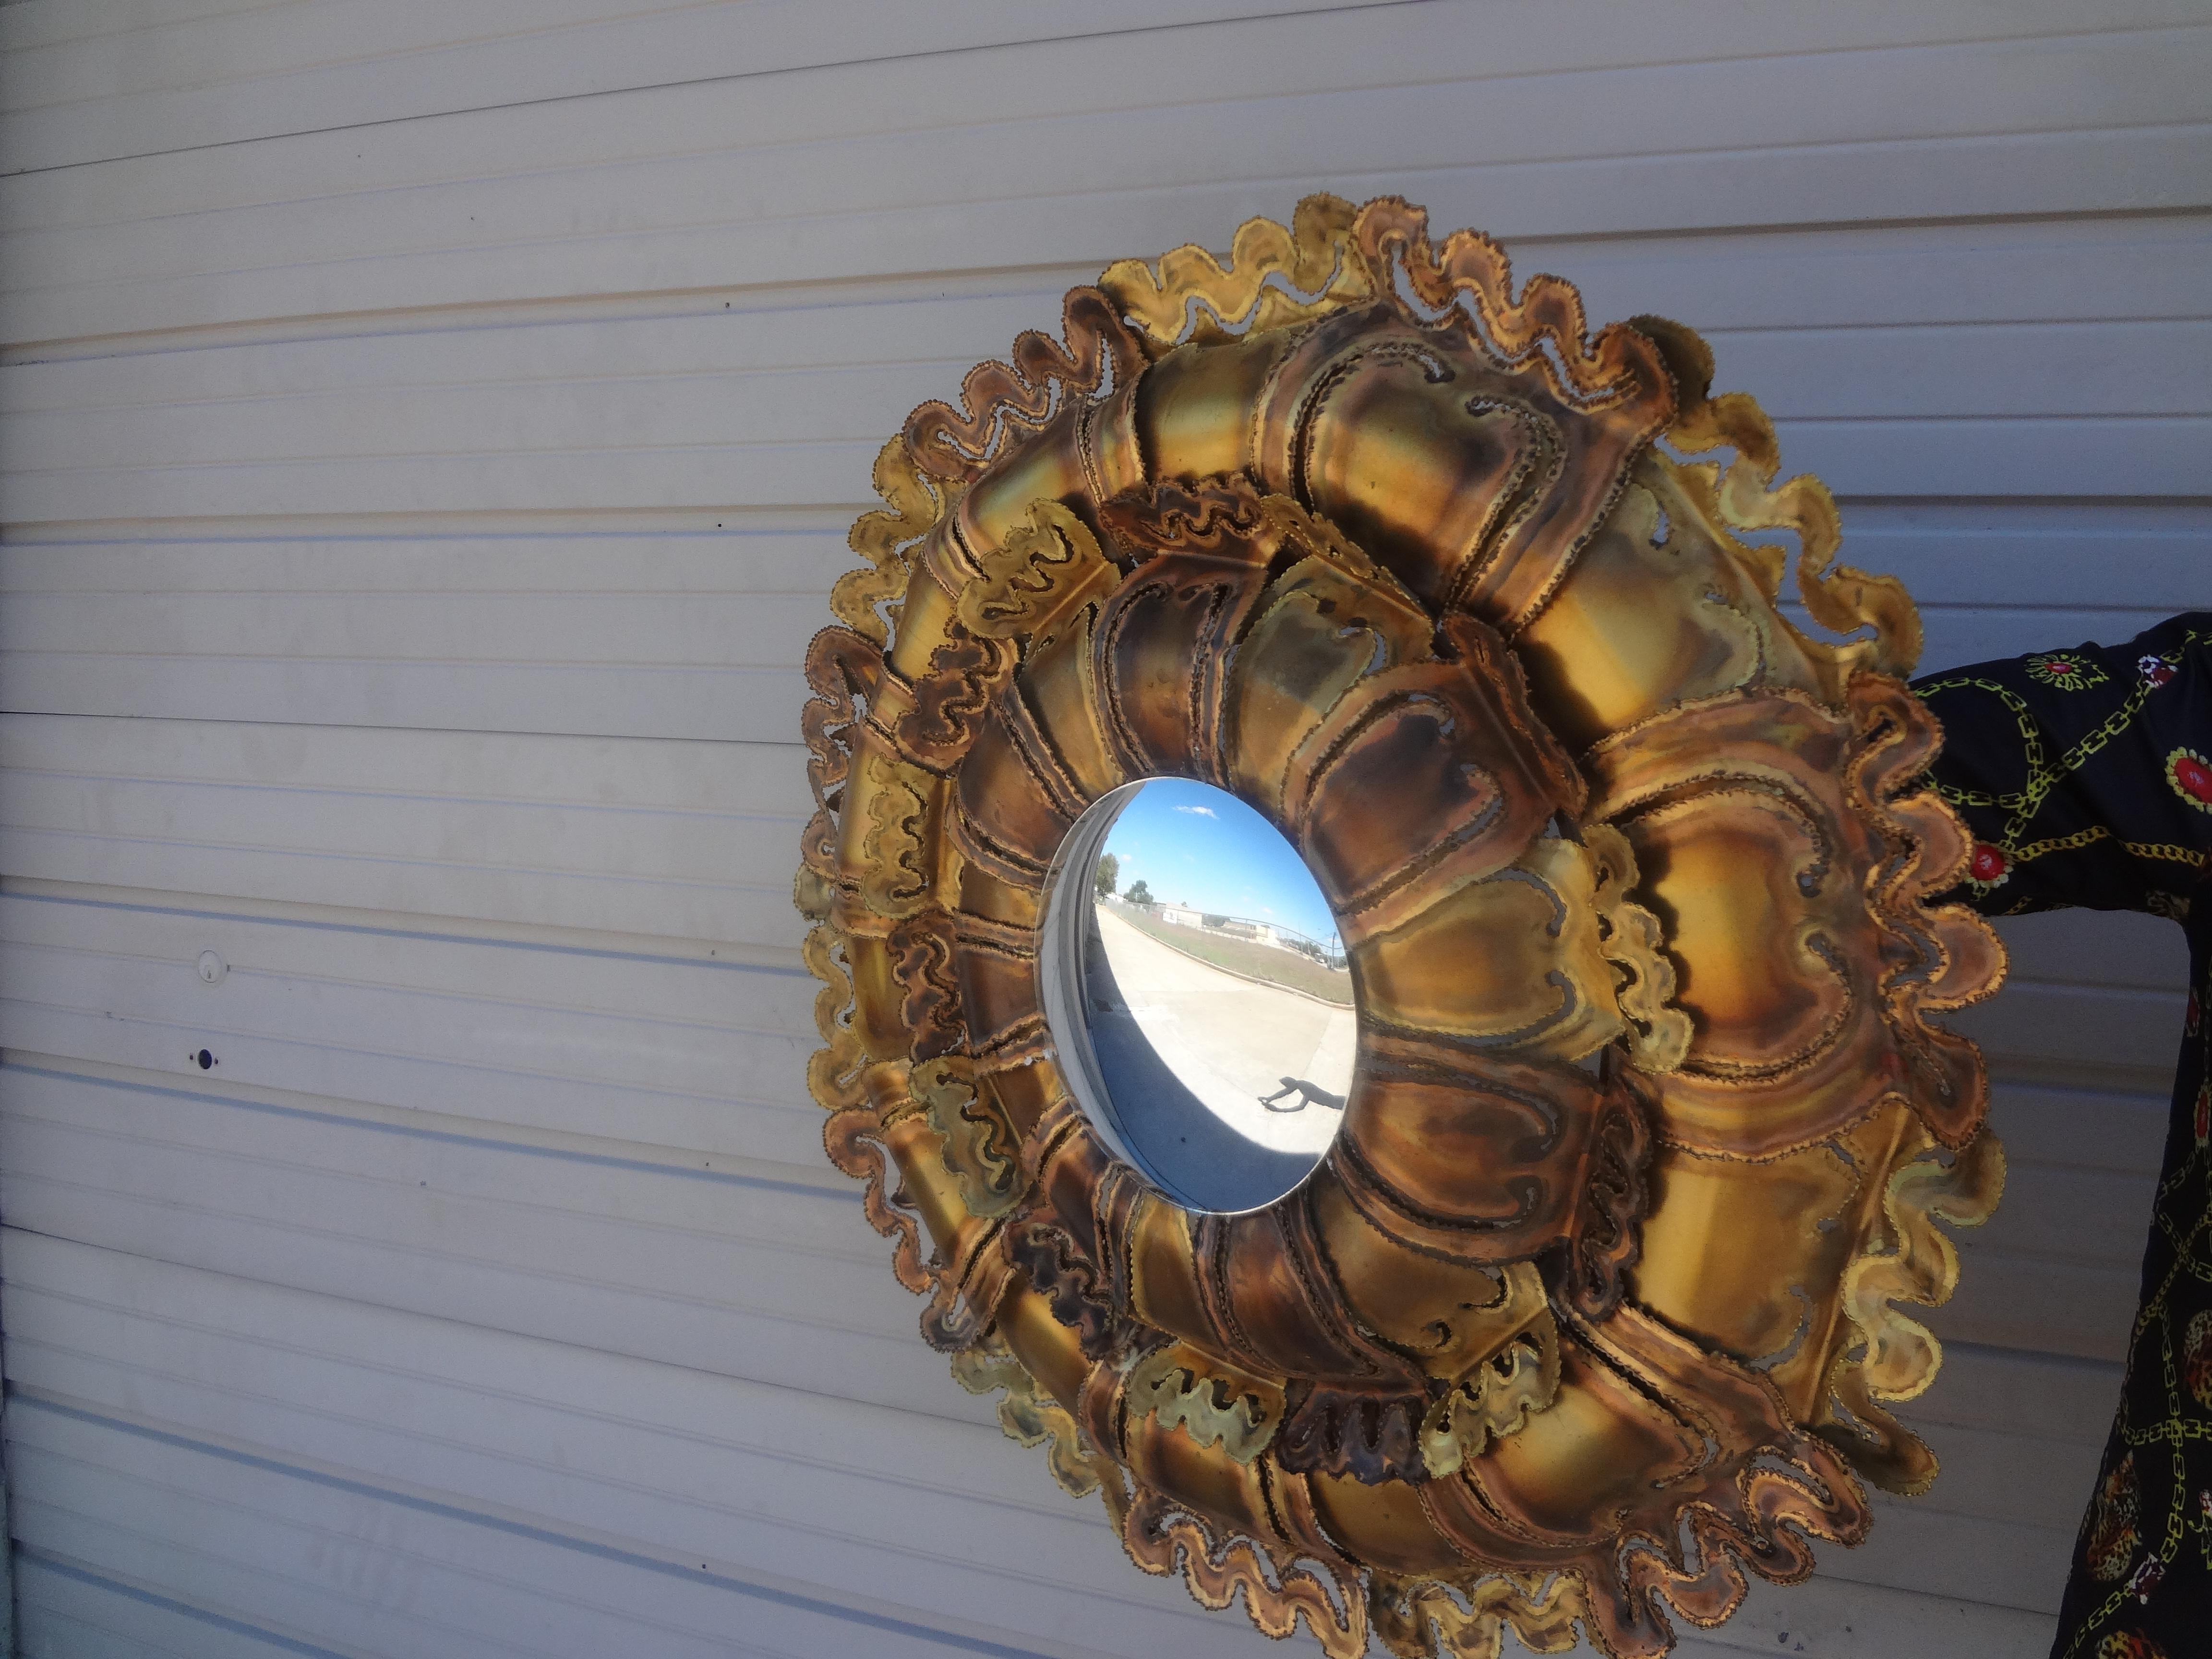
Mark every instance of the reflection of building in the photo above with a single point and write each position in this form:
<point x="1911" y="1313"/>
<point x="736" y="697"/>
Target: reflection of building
<point x="1330" y="954"/>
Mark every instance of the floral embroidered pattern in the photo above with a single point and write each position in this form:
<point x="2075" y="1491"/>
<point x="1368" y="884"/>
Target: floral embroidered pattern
<point x="2059" y="741"/>
<point x="2190" y="775"/>
<point x="2066" y="668"/>
<point x="1987" y="866"/>
<point x="2111" y="1544"/>
<point x="2197" y="1353"/>
<point x="2094" y="789"/>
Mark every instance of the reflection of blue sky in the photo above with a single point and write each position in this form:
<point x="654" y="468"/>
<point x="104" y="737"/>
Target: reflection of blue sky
<point x="1196" y="845"/>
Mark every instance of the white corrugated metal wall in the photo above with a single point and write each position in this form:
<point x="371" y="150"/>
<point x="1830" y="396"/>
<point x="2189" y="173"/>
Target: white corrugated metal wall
<point x="430" y="432"/>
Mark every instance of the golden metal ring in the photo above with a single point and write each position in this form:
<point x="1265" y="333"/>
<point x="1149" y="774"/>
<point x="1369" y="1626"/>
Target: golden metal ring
<point x="1588" y="1308"/>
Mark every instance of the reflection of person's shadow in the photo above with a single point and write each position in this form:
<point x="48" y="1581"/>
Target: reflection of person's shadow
<point x="1168" y="1126"/>
<point x="1309" y="1094"/>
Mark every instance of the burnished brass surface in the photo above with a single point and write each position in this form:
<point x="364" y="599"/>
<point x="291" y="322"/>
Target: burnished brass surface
<point x="1590" y="1307"/>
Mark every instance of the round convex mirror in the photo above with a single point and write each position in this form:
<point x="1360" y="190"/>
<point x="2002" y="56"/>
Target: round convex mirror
<point x="1196" y="988"/>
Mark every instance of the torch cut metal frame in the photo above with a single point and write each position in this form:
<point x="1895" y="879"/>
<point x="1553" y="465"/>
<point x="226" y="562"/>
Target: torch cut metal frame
<point x="1589" y="1308"/>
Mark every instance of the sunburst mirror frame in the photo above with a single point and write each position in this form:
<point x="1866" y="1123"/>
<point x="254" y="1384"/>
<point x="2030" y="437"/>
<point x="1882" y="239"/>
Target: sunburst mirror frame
<point x="1591" y="1306"/>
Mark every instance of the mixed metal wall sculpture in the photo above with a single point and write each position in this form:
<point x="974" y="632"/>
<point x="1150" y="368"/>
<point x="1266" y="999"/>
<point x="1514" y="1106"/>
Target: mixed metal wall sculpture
<point x="1591" y="1304"/>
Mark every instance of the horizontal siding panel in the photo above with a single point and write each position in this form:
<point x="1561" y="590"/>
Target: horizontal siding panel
<point x="1729" y="284"/>
<point x="770" y="182"/>
<point x="337" y="1568"/>
<point x="2082" y="1130"/>
<point x="665" y="1053"/>
<point x="2016" y="563"/>
<point x="174" y="77"/>
<point x="546" y="1242"/>
<point x="1954" y="636"/>
<point x="1946" y="411"/>
<point x="801" y="557"/>
<point x="418" y="1402"/>
<point x="1557" y="89"/>
<point x="2152" y="457"/>
<point x="837" y="1505"/>
<point x="185" y="76"/>
<point x="2055" y="1270"/>
<point x="654" y="700"/>
<point x="1732" y="284"/>
<point x="2028" y="457"/>
<point x="2127" y="368"/>
<point x="864" y="1502"/>
<point x="391" y="1390"/>
<point x="659" y="380"/>
<point x="700" y="635"/>
<point x="781" y="1283"/>
<point x="2067" y="1402"/>
<point x="66" y="1611"/>
<point x="2016" y="1565"/>
<point x="691" y="840"/>
<point x="1833" y="1617"/>
<point x="687" y="637"/>
<point x="2114" y="948"/>
<point x="2064" y="1215"/>
<point x="614" y="701"/>
<point x="2124" y="1033"/>
<point x="2037" y="1304"/>
<point x="768" y="473"/>
<point x="741" y="630"/>
<point x="77" y="1612"/>
<point x="354" y="1575"/>
<point x="680" y="1054"/>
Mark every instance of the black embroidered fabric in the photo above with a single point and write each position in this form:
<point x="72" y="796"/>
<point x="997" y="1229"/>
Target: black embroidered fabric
<point x="2085" y="776"/>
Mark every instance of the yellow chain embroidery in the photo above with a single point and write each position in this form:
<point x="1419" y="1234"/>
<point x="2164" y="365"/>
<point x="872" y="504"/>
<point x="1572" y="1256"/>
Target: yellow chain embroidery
<point x="2143" y="849"/>
<point x="2044" y="775"/>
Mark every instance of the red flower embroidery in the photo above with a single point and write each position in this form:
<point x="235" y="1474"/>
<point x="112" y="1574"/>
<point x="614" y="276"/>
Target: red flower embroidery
<point x="2063" y="668"/>
<point x="2157" y="671"/>
<point x="2191" y="775"/>
<point x="1987" y="866"/>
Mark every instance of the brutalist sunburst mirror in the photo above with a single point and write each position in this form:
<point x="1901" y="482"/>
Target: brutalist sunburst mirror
<point x="1584" y="1304"/>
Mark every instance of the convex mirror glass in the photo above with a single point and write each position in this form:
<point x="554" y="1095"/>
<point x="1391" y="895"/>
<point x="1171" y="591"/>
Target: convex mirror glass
<point x="1198" y="994"/>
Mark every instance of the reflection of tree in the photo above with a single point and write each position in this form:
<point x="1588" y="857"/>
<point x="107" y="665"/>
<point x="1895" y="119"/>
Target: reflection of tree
<point x="1109" y="875"/>
<point x="1139" y="893"/>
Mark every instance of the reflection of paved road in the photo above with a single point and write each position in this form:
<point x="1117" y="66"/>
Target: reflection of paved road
<point x="1232" y="1042"/>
